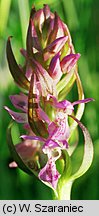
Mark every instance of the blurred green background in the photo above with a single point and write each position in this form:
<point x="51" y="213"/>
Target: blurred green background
<point x="83" y="22"/>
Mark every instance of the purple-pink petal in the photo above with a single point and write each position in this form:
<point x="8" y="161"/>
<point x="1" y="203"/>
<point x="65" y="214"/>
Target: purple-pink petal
<point x="55" y="69"/>
<point x="26" y="149"/>
<point x="55" y="47"/>
<point x="69" y="61"/>
<point x="59" y="24"/>
<point x="38" y="19"/>
<point x="61" y="104"/>
<point x="28" y="72"/>
<point x="26" y="137"/>
<point x="49" y="144"/>
<point x="44" y="116"/>
<point x="49" y="173"/>
<point x="51" y="27"/>
<point x="18" y="117"/>
<point x="82" y="101"/>
<point x="60" y="129"/>
<point x="46" y="11"/>
<point x="35" y="39"/>
<point x="55" y="29"/>
<point x="20" y="101"/>
<point x="44" y="78"/>
<point x="52" y="127"/>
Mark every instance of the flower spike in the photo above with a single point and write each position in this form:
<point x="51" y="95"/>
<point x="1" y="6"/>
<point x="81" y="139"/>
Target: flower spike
<point x="47" y="76"/>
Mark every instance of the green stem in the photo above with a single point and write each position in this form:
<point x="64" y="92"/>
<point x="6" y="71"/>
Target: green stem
<point x="64" y="192"/>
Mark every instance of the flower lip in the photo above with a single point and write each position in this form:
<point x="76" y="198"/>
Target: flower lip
<point x="49" y="173"/>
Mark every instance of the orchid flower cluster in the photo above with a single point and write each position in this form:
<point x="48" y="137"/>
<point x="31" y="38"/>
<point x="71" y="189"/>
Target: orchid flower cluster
<point x="48" y="75"/>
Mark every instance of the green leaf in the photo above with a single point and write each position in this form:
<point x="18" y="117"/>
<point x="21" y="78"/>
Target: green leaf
<point x="73" y="142"/>
<point x="88" y="152"/>
<point x="81" y="106"/>
<point x="15" y="70"/>
<point x="14" y="153"/>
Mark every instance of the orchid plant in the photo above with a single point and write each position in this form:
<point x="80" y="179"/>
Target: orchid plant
<point x="49" y="120"/>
